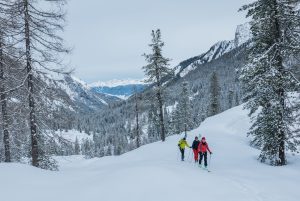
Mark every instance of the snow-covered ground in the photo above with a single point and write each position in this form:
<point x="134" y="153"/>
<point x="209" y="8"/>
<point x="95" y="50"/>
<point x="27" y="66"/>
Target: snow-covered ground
<point x="154" y="172"/>
<point x="71" y="135"/>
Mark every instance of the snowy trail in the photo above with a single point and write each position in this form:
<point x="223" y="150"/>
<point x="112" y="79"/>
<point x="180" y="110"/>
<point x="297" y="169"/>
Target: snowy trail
<point x="154" y="173"/>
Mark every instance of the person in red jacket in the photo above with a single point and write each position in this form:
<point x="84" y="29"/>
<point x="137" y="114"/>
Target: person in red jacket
<point x="202" y="149"/>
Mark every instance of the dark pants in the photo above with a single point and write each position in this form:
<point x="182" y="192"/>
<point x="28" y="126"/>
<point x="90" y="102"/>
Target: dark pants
<point x="205" y="158"/>
<point x="182" y="153"/>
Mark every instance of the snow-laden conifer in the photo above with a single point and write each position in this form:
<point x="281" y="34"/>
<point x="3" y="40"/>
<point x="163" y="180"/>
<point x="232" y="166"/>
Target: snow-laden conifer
<point x="268" y="80"/>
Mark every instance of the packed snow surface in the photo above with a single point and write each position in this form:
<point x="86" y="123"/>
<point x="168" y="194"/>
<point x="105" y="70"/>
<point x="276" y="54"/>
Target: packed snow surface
<point x="154" y="172"/>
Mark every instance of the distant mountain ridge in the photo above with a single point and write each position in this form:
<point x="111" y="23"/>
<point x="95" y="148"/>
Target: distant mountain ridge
<point x="82" y="97"/>
<point x="116" y="82"/>
<point x="122" y="89"/>
<point x="242" y="35"/>
<point x="98" y="95"/>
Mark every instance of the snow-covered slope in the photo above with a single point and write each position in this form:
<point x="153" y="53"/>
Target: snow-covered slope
<point x="154" y="172"/>
<point x="119" y="88"/>
<point x="72" y="135"/>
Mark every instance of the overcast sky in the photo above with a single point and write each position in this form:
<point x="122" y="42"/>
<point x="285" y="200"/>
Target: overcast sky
<point x="109" y="36"/>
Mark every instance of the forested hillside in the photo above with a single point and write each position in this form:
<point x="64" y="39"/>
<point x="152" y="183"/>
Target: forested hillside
<point x="210" y="77"/>
<point x="41" y="101"/>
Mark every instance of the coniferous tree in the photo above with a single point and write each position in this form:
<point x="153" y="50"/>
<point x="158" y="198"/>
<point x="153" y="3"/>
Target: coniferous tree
<point x="214" y="105"/>
<point x="156" y="70"/>
<point x="109" y="151"/>
<point x="77" y="147"/>
<point x="267" y="78"/>
<point x="184" y="110"/>
<point x="137" y="98"/>
<point x="167" y="121"/>
<point x="237" y="100"/>
<point x="153" y="123"/>
<point x="176" y="121"/>
<point x="230" y="98"/>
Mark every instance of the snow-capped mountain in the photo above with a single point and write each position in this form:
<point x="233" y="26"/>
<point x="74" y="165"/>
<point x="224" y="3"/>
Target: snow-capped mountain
<point x="83" y="97"/>
<point x="116" y="82"/>
<point x="242" y="35"/>
<point x="99" y="94"/>
<point x="118" y="88"/>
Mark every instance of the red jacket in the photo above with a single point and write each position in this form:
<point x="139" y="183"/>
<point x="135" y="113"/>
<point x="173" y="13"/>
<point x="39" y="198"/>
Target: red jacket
<point x="203" y="147"/>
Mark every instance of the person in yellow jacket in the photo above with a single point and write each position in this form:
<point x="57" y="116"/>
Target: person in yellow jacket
<point x="182" y="144"/>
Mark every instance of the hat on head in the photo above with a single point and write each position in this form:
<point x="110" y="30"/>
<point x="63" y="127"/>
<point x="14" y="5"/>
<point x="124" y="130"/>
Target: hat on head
<point x="203" y="138"/>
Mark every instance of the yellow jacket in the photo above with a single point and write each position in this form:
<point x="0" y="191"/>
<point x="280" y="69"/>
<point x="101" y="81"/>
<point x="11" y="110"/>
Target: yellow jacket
<point x="183" y="143"/>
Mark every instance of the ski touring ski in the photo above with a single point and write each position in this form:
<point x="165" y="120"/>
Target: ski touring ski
<point x="204" y="168"/>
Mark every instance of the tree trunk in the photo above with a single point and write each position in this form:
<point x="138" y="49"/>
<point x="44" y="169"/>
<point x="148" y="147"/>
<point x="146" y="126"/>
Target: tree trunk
<point x="161" y="115"/>
<point x="160" y="105"/>
<point x="280" y="92"/>
<point x="30" y="85"/>
<point x="137" y="122"/>
<point x="3" y="102"/>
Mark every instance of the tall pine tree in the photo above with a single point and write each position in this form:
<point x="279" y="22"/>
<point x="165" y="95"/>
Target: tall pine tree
<point x="184" y="110"/>
<point x="268" y="80"/>
<point x="156" y="70"/>
<point x="214" y="107"/>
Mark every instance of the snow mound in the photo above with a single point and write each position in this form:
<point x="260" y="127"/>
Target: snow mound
<point x="154" y="172"/>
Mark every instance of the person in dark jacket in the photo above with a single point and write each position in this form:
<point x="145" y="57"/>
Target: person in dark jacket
<point x="195" y="149"/>
<point x="202" y="149"/>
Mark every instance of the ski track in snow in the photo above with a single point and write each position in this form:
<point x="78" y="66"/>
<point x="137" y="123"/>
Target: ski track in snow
<point x="155" y="173"/>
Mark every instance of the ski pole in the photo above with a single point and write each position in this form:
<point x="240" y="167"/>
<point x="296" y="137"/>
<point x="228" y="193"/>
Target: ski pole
<point x="189" y="155"/>
<point x="209" y="160"/>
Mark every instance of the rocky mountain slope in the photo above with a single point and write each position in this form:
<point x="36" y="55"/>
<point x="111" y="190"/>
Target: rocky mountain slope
<point x="98" y="95"/>
<point x="242" y="35"/>
<point x="82" y="97"/>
